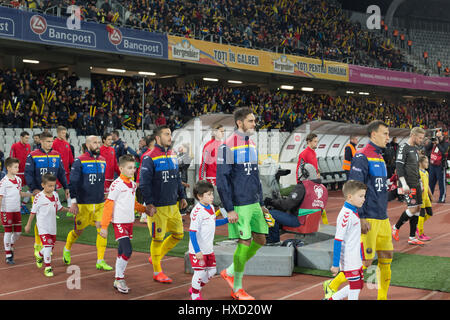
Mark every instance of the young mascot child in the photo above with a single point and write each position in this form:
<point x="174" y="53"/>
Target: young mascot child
<point x="201" y="234"/>
<point x="347" y="242"/>
<point x="45" y="205"/>
<point x="426" y="210"/>
<point x="10" y="193"/>
<point x="119" y="209"/>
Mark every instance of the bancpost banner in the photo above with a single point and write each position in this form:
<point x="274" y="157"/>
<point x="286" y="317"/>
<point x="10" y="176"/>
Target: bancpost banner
<point x="388" y="78"/>
<point x="51" y="30"/>
<point x="209" y="53"/>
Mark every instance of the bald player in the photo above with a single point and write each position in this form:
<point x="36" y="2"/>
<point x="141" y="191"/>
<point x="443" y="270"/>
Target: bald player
<point x="87" y="179"/>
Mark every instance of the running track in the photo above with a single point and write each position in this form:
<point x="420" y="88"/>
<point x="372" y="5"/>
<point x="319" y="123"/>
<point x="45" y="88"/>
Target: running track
<point x="25" y="281"/>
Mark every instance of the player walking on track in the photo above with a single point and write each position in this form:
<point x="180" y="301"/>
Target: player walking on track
<point x="161" y="187"/>
<point x="39" y="162"/>
<point x="87" y="182"/>
<point x="369" y="167"/>
<point x="407" y="165"/>
<point x="240" y="190"/>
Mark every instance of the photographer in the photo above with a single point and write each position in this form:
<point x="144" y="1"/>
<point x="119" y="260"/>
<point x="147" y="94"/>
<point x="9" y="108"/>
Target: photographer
<point x="302" y="201"/>
<point x="437" y="150"/>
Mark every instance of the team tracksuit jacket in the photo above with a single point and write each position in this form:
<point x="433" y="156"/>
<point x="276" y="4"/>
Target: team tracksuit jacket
<point x="87" y="179"/>
<point x="237" y="175"/>
<point x="39" y="163"/>
<point x="159" y="178"/>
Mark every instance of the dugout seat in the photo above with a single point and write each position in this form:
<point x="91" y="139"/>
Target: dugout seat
<point x="308" y="224"/>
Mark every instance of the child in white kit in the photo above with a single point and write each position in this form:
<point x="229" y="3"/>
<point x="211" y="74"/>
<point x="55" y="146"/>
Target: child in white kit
<point x="201" y="234"/>
<point x="10" y="193"/>
<point x="347" y="242"/>
<point x="45" y="205"/>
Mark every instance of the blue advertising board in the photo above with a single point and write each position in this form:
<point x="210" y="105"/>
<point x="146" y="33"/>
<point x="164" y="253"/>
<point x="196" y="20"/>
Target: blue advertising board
<point x="51" y="30"/>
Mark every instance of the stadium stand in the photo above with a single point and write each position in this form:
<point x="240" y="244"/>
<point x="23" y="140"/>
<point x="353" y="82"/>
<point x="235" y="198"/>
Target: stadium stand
<point x="313" y="28"/>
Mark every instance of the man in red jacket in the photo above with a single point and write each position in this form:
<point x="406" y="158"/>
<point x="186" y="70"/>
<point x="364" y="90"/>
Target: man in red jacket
<point x="20" y="150"/>
<point x="107" y="151"/>
<point x="309" y="154"/>
<point x="208" y="165"/>
<point x="61" y="145"/>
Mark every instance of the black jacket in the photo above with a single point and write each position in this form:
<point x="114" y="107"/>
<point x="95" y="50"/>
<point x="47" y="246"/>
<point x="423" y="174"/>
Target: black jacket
<point x="292" y="203"/>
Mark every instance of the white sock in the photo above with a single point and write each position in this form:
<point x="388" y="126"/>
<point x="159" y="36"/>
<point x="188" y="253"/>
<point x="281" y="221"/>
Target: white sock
<point x="341" y="294"/>
<point x="197" y="279"/>
<point x="209" y="273"/>
<point x="121" y="265"/>
<point x="15" y="236"/>
<point x="69" y="202"/>
<point x="46" y="252"/>
<point x="353" y="294"/>
<point x="7" y="242"/>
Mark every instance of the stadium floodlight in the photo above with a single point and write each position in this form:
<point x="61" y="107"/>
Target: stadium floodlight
<point x="363" y="93"/>
<point x="235" y="81"/>
<point x="30" y="61"/>
<point x="211" y="79"/>
<point x="309" y="89"/>
<point x="350" y="92"/>
<point x="287" y="87"/>
<point x="145" y="73"/>
<point x="116" y="70"/>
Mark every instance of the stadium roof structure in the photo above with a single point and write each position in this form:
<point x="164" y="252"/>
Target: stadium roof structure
<point x="420" y="9"/>
<point x="339" y="128"/>
<point x="317" y="126"/>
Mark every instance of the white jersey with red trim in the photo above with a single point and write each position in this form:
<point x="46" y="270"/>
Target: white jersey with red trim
<point x="203" y="221"/>
<point x="10" y="190"/>
<point x="348" y="230"/>
<point x="124" y="195"/>
<point x="45" y="209"/>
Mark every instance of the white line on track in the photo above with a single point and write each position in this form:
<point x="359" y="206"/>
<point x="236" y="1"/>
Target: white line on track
<point x="86" y="277"/>
<point x="301" y="291"/>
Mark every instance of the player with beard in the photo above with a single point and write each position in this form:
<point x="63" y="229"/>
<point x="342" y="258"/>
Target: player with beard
<point x="240" y="190"/>
<point x="87" y="179"/>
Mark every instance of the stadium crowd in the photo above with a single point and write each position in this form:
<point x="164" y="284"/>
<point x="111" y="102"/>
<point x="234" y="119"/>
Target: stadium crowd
<point x="48" y="100"/>
<point x="313" y="28"/>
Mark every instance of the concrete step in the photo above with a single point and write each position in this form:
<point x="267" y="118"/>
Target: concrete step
<point x="268" y="261"/>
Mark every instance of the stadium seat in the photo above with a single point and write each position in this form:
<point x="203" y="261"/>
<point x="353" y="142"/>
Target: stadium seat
<point x="308" y="224"/>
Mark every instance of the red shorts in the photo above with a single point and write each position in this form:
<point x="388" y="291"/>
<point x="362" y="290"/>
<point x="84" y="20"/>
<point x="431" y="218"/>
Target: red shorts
<point x="48" y="240"/>
<point x="122" y="230"/>
<point x="355" y="278"/>
<point x="209" y="261"/>
<point x="12" y="219"/>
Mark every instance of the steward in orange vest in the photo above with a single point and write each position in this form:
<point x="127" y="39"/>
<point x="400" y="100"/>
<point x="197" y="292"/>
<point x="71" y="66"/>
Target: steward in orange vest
<point x="350" y="150"/>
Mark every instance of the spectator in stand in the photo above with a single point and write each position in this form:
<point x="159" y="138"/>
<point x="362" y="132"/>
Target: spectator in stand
<point x="119" y="146"/>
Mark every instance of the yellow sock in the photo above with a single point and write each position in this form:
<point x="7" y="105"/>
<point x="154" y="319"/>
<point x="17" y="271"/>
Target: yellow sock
<point x="71" y="238"/>
<point x="155" y="250"/>
<point x="337" y="281"/>
<point x="101" y="246"/>
<point x="170" y="242"/>
<point x="37" y="239"/>
<point x="324" y="217"/>
<point x="383" y="277"/>
<point x="420" y="224"/>
<point x="427" y="216"/>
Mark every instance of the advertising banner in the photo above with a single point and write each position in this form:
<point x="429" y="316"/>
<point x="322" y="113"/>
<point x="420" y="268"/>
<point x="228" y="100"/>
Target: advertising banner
<point x="204" y="52"/>
<point x="27" y="26"/>
<point x="388" y="78"/>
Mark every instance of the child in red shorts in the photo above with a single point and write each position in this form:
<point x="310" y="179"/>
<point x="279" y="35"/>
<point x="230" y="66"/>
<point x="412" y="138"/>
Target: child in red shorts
<point x="119" y="209"/>
<point x="201" y="233"/>
<point x="10" y="193"/>
<point x="45" y="205"/>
